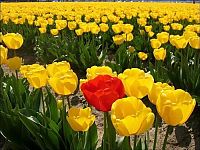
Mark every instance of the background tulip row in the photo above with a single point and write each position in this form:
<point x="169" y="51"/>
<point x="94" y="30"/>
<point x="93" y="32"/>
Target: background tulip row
<point x="140" y="68"/>
<point x="164" y="43"/>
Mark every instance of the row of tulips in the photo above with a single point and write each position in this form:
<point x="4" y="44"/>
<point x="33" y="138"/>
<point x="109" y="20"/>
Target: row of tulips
<point x="47" y="119"/>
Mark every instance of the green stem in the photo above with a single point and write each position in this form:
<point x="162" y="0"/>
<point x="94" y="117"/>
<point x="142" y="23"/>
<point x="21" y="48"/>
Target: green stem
<point x="106" y="138"/>
<point x="16" y="73"/>
<point x="43" y="104"/>
<point x="156" y="132"/>
<point x="68" y="101"/>
<point x="169" y="128"/>
<point x="129" y="142"/>
<point x="135" y="141"/>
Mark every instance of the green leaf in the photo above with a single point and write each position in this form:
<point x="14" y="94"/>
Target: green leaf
<point x="91" y="138"/>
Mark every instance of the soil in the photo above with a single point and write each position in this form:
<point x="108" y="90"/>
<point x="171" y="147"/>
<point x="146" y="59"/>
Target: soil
<point x="185" y="137"/>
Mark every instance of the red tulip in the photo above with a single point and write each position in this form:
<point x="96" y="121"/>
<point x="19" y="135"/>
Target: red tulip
<point x="102" y="91"/>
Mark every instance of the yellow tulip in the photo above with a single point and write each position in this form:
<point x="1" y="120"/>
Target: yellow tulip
<point x="118" y="39"/>
<point x="37" y="77"/>
<point x="189" y="34"/>
<point x="195" y="42"/>
<point x="24" y="69"/>
<point x="159" y="54"/>
<point x="42" y="30"/>
<point x="148" y="28"/>
<point x="142" y="32"/>
<point x="155" y="43"/>
<point x="80" y="119"/>
<point x="13" y="41"/>
<point x="72" y="25"/>
<point x="156" y="90"/>
<point x="166" y="27"/>
<point x="131" y="117"/>
<point x="128" y="37"/>
<point x="163" y="37"/>
<point x="14" y="63"/>
<point x="104" y="19"/>
<point x="54" y="31"/>
<point x="176" y="26"/>
<point x="104" y="27"/>
<point x="1" y="37"/>
<point x="150" y="34"/>
<point x="142" y="21"/>
<point x="79" y="32"/>
<point x="64" y="83"/>
<point x="3" y="54"/>
<point x="175" y="106"/>
<point x="95" y="29"/>
<point x="94" y="71"/>
<point x="61" y="24"/>
<point x="55" y="67"/>
<point x="180" y="42"/>
<point x="136" y="82"/>
<point x="117" y="28"/>
<point x="142" y="55"/>
<point x="127" y="28"/>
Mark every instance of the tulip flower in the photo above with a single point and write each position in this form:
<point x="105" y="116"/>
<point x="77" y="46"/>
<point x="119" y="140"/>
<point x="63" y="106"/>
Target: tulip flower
<point x="72" y="25"/>
<point x="118" y="39"/>
<point x="166" y="27"/>
<point x="148" y="28"/>
<point x="175" y="106"/>
<point x="80" y="119"/>
<point x="64" y="83"/>
<point x="163" y="37"/>
<point x="102" y="91"/>
<point x="156" y="90"/>
<point x="150" y="34"/>
<point x="117" y="28"/>
<point x="3" y="54"/>
<point x="142" y="55"/>
<point x="131" y="49"/>
<point x="127" y="28"/>
<point x="42" y="30"/>
<point x="24" y="69"/>
<point x="195" y="42"/>
<point x="159" y="54"/>
<point x="13" y="41"/>
<point x="136" y="82"/>
<point x="14" y="63"/>
<point x="79" y="32"/>
<point x="54" y="31"/>
<point x="155" y="43"/>
<point x="55" y="67"/>
<point x="180" y="42"/>
<point x="131" y="117"/>
<point x="189" y="34"/>
<point x="37" y="77"/>
<point x="104" y="27"/>
<point x="94" y="71"/>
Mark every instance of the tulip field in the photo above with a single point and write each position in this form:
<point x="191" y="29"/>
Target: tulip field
<point x="99" y="76"/>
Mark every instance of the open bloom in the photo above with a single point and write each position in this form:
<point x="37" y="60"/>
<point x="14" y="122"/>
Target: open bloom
<point x="155" y="43"/>
<point x="175" y="106"/>
<point x="56" y="67"/>
<point x="163" y="37"/>
<point x="159" y="54"/>
<point x="195" y="42"/>
<point x="13" y="41"/>
<point x="131" y="117"/>
<point x="3" y="54"/>
<point x="64" y="83"/>
<point x="156" y="90"/>
<point x="14" y="63"/>
<point x="136" y="82"/>
<point x="102" y="91"/>
<point x="142" y="55"/>
<point x="37" y="77"/>
<point x="80" y="119"/>
<point x="118" y="39"/>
